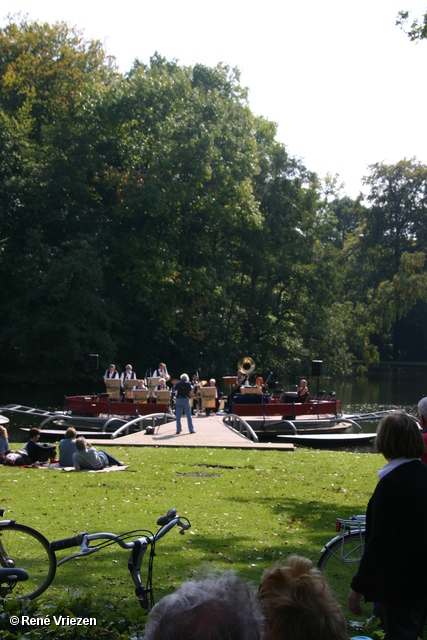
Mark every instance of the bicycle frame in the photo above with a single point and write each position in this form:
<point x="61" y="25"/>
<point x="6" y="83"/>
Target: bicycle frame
<point x="137" y="548"/>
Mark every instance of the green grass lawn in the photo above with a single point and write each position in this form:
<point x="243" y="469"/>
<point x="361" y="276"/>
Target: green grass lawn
<point x="248" y="509"/>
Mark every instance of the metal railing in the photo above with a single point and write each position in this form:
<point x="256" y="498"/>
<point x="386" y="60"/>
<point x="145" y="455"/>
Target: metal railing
<point x="153" y="417"/>
<point x="240" y="425"/>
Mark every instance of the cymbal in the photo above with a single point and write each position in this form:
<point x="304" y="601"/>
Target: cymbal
<point x="174" y="380"/>
<point x="203" y="383"/>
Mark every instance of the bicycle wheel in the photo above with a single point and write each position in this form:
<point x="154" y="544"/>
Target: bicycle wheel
<point x="24" y="548"/>
<point x="339" y="563"/>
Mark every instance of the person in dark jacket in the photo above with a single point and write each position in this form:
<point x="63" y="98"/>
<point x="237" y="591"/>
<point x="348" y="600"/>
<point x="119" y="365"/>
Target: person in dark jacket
<point x="39" y="452"/>
<point x="393" y="570"/>
<point x="183" y="391"/>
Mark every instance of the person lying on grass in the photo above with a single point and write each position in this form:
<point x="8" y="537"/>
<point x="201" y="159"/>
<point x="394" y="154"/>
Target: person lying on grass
<point x="87" y="457"/>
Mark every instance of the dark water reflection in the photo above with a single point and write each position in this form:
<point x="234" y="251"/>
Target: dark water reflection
<point x="387" y="387"/>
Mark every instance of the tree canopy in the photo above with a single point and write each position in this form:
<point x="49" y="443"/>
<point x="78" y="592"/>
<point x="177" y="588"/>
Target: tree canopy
<point x="152" y="216"/>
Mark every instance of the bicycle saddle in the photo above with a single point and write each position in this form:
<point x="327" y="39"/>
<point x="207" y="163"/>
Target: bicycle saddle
<point x="12" y="575"/>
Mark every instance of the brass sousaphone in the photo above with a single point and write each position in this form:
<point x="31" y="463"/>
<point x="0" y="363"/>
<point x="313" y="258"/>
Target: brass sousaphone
<point x="246" y="366"/>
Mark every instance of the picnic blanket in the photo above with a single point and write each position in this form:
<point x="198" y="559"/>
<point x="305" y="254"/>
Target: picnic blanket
<point x="114" y="467"/>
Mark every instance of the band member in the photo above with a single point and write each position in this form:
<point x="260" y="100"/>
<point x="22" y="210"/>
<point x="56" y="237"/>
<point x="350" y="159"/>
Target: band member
<point x="111" y="372"/>
<point x="160" y="387"/>
<point x="161" y="372"/>
<point x="127" y="375"/>
<point x="302" y="391"/>
<point x="195" y="383"/>
<point x="212" y="383"/>
<point x="140" y="385"/>
<point x="240" y="377"/>
<point x="259" y="382"/>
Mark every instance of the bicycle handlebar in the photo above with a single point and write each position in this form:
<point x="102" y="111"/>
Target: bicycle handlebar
<point x="66" y="543"/>
<point x="167" y="518"/>
<point x="83" y="540"/>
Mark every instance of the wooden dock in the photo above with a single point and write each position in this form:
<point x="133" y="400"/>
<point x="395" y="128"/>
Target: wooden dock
<point x="209" y="432"/>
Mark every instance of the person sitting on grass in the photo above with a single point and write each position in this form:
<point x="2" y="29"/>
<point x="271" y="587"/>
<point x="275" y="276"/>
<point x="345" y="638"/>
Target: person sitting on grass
<point x="4" y="444"/>
<point x="298" y="604"/>
<point x="67" y="447"/>
<point x="39" y="452"/>
<point x="87" y="457"/>
<point x="218" y="608"/>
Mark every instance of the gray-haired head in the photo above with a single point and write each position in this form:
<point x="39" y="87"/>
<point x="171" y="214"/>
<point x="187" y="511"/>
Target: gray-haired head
<point x="422" y="408"/>
<point x="81" y="444"/>
<point x="184" y="377"/>
<point x="224" y="608"/>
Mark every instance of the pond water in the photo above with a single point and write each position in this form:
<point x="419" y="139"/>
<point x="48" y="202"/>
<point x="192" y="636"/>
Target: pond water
<point x="386" y="387"/>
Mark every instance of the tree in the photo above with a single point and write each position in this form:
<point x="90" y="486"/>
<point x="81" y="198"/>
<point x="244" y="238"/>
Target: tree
<point x="385" y="252"/>
<point x="51" y="270"/>
<point x="417" y="30"/>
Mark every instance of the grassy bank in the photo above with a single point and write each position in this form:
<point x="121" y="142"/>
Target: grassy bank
<point x="248" y="509"/>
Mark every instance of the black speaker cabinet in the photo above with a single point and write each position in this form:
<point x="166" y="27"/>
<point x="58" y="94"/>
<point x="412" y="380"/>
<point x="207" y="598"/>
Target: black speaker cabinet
<point x="94" y="361"/>
<point x="316" y="367"/>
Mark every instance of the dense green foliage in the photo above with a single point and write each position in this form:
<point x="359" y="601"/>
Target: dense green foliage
<point x="151" y="216"/>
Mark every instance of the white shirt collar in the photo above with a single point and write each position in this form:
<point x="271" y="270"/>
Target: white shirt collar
<point x="393" y="464"/>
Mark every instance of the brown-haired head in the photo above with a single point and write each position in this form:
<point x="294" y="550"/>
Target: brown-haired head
<point x="399" y="436"/>
<point x="297" y="603"/>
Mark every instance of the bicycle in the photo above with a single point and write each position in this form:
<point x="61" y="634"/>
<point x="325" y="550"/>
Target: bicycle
<point x="340" y="557"/>
<point x="28" y="561"/>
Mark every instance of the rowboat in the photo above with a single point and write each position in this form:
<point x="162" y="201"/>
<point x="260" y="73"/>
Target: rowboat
<point x="329" y="440"/>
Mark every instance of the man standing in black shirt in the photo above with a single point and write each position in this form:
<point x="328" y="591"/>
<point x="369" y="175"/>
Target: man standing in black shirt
<point x="183" y="390"/>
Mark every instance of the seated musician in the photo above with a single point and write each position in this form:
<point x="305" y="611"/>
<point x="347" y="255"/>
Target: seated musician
<point x="240" y="377"/>
<point x="259" y="382"/>
<point x="111" y="372"/>
<point x="128" y="374"/>
<point x="302" y="391"/>
<point x="195" y="383"/>
<point x="161" y="372"/>
<point x="212" y="383"/>
<point x="160" y="387"/>
<point x="140" y="385"/>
